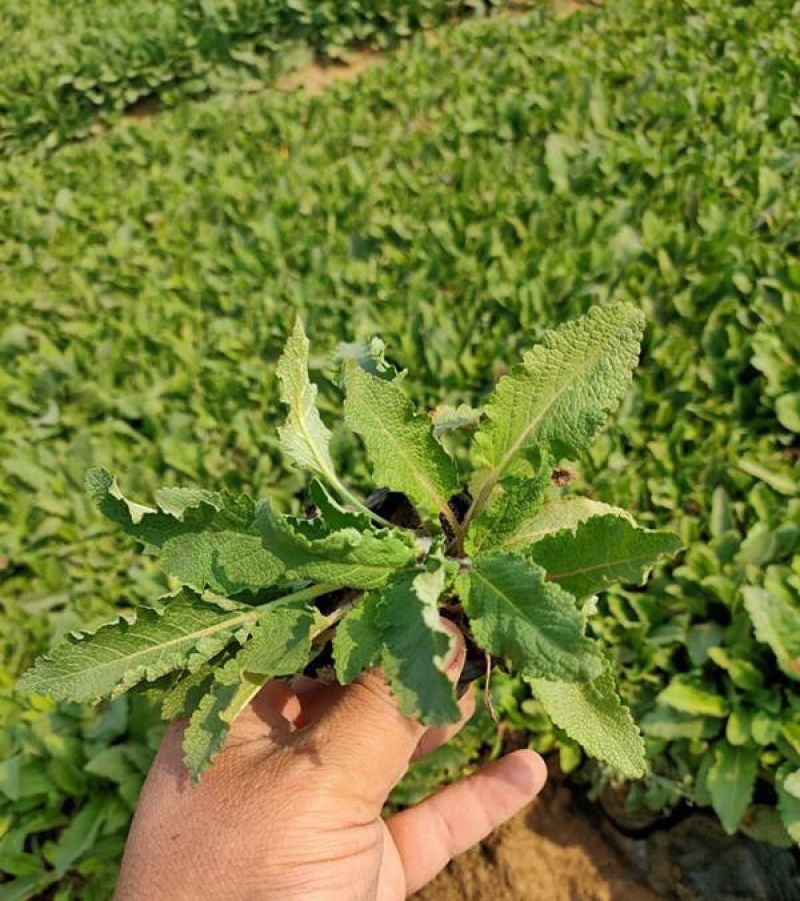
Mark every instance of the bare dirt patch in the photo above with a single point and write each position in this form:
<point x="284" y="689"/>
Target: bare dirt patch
<point x="549" y="852"/>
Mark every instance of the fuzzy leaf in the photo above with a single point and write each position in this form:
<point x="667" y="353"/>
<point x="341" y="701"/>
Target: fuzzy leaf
<point x="404" y="454"/>
<point x="446" y="418"/>
<point x="516" y="505"/>
<point x="592" y="714"/>
<point x="399" y="629"/>
<point x="205" y="539"/>
<point x="183" y="696"/>
<point x="280" y="645"/>
<point x="127" y="651"/>
<point x="555" y="515"/>
<point x="731" y="779"/>
<point x="345" y="558"/>
<point x="415" y="647"/>
<point x="690" y="699"/>
<point x="777" y="624"/>
<point x="515" y="614"/>
<point x="561" y="393"/>
<point x="600" y="551"/>
<point x="305" y="439"/>
<point x="357" y="641"/>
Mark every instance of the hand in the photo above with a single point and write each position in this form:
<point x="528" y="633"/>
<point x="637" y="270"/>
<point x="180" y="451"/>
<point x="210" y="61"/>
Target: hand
<point x="291" y="807"/>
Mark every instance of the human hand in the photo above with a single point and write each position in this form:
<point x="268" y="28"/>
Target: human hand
<point x="291" y="807"/>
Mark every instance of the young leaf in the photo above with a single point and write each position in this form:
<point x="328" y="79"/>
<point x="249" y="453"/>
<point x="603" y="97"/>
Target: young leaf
<point x="205" y="539"/>
<point x="151" y="644"/>
<point x="332" y="514"/>
<point x="777" y="624"/>
<point x="230" y="692"/>
<point x="415" y="647"/>
<point x="560" y="395"/>
<point x="343" y="558"/>
<point x="280" y="645"/>
<point x="404" y="454"/>
<point x="357" y="641"/>
<point x="304" y="439"/>
<point x="517" y="504"/>
<point x="446" y="418"/>
<point x="593" y="714"/>
<point x="555" y="515"/>
<point x="600" y="551"/>
<point x="731" y="779"/>
<point x="399" y="629"/>
<point x="183" y="696"/>
<point x="515" y="614"/>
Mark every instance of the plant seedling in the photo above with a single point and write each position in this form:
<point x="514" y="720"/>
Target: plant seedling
<point x="498" y="549"/>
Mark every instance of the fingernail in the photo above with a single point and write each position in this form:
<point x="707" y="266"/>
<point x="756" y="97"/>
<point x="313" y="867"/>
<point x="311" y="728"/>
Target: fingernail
<point x="455" y="656"/>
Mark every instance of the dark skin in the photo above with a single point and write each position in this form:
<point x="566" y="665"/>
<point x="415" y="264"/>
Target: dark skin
<point x="291" y="807"/>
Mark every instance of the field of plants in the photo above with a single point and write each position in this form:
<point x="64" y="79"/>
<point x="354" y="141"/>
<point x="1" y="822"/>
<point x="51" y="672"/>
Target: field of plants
<point x="492" y="178"/>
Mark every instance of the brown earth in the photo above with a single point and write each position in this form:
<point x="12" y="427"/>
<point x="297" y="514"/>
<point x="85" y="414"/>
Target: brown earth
<point x="549" y="852"/>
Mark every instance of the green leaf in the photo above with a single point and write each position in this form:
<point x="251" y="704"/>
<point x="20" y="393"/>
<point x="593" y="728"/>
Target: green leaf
<point x="183" y="696"/>
<point x="404" y="454"/>
<point x="601" y="551"/>
<point x="516" y="615"/>
<point x="357" y="642"/>
<point x="777" y="624"/>
<point x="415" y="647"/>
<point x="399" y="629"/>
<point x="280" y="645"/>
<point x="560" y="395"/>
<point x="690" y="699"/>
<point x="304" y="439"/>
<point x="592" y="714"/>
<point x="731" y="779"/>
<point x="230" y="692"/>
<point x="555" y="516"/>
<point x="787" y="408"/>
<point x="342" y="558"/>
<point x="789" y="800"/>
<point x="516" y="504"/>
<point x="145" y="647"/>
<point x="447" y="418"/>
<point x="206" y="539"/>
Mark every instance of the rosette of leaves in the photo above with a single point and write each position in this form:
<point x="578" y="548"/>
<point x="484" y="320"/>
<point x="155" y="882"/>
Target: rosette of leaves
<point x="264" y="595"/>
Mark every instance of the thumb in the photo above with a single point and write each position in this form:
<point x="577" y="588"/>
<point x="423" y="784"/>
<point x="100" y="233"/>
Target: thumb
<point x="364" y="735"/>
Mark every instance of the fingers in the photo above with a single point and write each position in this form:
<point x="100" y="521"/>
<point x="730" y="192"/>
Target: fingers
<point x="436" y="736"/>
<point x="365" y="724"/>
<point x="431" y="834"/>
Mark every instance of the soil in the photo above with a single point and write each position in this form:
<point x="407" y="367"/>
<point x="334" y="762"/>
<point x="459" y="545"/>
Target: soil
<point x="550" y="851"/>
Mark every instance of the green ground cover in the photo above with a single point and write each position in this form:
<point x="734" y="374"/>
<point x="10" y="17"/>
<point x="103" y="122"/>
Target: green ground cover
<point x="66" y="68"/>
<point x="493" y="180"/>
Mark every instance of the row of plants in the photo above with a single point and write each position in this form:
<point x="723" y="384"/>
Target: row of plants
<point x="73" y="68"/>
<point x="515" y="172"/>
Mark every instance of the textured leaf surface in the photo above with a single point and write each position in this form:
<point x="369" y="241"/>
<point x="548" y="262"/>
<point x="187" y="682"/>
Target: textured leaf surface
<point x="601" y="551"/>
<point x="447" y="418"/>
<point x="592" y="714"/>
<point x="515" y="614"/>
<point x="346" y="557"/>
<point x="691" y="699"/>
<point x="731" y="779"/>
<point x="555" y="515"/>
<point x="205" y="539"/>
<point x="183" y="696"/>
<point x="517" y="503"/>
<point x="399" y="629"/>
<point x="415" y="647"/>
<point x="280" y="645"/>
<point x="357" y="642"/>
<point x="149" y="645"/>
<point x="777" y="623"/>
<point x="560" y="395"/>
<point x="404" y="454"/>
<point x="305" y="439"/>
